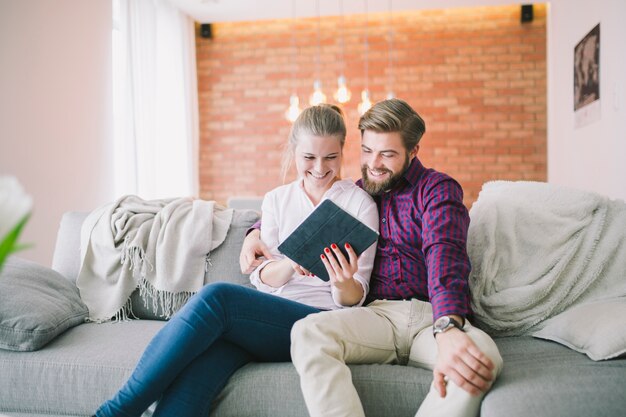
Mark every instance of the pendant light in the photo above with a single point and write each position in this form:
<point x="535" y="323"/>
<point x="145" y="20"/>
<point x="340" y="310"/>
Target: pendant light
<point x="365" y="103"/>
<point x="294" y="110"/>
<point x="342" y="95"/>
<point x="318" y="96"/>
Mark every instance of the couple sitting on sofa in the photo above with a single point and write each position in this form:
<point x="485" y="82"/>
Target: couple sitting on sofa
<point x="416" y="276"/>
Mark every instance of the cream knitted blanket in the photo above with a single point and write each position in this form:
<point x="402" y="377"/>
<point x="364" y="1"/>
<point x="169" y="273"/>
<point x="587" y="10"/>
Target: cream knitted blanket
<point x="538" y="249"/>
<point x="161" y="247"/>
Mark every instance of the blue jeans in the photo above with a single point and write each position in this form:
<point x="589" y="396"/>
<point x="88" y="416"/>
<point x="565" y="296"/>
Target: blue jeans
<point x="191" y="358"/>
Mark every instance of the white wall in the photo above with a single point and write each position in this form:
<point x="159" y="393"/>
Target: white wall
<point x="592" y="157"/>
<point x="55" y="113"/>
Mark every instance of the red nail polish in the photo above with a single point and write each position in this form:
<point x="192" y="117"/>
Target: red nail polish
<point x="322" y="256"/>
<point x="333" y="246"/>
<point x="326" y="250"/>
<point x="347" y="245"/>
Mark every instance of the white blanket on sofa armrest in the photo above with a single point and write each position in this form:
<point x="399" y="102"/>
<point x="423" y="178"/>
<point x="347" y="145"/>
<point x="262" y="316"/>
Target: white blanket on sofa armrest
<point x="159" y="246"/>
<point x="538" y="249"/>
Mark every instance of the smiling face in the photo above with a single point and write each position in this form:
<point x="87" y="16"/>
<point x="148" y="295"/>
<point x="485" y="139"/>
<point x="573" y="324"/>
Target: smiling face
<point x="384" y="160"/>
<point x="318" y="161"/>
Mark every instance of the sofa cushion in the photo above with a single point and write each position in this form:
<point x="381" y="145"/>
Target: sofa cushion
<point x="542" y="378"/>
<point x="273" y="390"/>
<point x="76" y="372"/>
<point x="36" y="305"/>
<point x="596" y="329"/>
<point x="224" y="260"/>
<point x="86" y="365"/>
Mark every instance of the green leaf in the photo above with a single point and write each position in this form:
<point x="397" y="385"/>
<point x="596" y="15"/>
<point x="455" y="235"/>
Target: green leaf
<point x="8" y="244"/>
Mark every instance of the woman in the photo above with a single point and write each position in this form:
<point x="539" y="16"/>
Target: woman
<point x="225" y="326"/>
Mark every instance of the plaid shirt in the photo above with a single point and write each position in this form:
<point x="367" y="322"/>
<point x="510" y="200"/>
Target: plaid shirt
<point x="422" y="245"/>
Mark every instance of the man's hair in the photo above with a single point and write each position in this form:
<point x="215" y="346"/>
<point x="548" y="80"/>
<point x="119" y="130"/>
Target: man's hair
<point x="321" y="120"/>
<point x="394" y="115"/>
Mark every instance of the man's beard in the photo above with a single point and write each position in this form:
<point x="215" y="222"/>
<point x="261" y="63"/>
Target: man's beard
<point x="377" y="188"/>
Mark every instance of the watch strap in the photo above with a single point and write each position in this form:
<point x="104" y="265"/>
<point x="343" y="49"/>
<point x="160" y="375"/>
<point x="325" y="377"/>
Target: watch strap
<point x="451" y="323"/>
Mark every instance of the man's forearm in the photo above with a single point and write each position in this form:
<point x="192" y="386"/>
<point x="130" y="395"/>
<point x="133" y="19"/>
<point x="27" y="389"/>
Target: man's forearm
<point x="255" y="227"/>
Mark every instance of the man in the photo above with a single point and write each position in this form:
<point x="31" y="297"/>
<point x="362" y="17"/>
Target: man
<point x="418" y="289"/>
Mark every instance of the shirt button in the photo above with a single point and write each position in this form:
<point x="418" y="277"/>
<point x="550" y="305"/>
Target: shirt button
<point x="383" y="220"/>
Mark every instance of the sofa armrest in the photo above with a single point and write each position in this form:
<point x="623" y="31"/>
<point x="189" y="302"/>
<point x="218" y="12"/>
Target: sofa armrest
<point x="66" y="258"/>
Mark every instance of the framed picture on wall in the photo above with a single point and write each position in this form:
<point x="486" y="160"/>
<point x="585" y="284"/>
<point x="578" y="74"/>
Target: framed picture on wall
<point x="587" y="78"/>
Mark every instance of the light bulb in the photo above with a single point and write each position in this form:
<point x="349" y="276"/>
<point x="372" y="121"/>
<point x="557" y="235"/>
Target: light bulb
<point x="365" y="103"/>
<point x="294" y="110"/>
<point x="342" y="95"/>
<point x="317" y="97"/>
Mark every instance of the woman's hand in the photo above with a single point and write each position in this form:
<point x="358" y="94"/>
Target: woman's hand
<point x="341" y="272"/>
<point x="339" y="269"/>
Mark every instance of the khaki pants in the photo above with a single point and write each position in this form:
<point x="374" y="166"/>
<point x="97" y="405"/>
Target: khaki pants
<point x="383" y="332"/>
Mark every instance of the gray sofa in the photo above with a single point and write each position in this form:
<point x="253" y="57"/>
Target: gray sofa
<point x="76" y="371"/>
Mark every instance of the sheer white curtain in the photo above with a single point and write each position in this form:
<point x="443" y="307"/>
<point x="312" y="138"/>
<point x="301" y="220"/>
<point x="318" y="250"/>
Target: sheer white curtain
<point x="155" y="99"/>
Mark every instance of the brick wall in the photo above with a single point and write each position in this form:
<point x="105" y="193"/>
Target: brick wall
<point x="476" y="75"/>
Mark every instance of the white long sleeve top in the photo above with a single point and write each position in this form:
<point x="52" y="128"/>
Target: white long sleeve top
<point x="283" y="209"/>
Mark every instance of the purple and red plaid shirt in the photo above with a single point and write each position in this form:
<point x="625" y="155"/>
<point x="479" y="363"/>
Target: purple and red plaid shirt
<point x="422" y="245"/>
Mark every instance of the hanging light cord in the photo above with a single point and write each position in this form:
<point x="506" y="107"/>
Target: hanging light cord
<point x="391" y="77"/>
<point x="293" y="46"/>
<point x="366" y="52"/>
<point x="319" y="47"/>
<point x="342" y="42"/>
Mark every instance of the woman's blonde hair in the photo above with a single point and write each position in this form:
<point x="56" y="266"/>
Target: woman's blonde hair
<point x="320" y="120"/>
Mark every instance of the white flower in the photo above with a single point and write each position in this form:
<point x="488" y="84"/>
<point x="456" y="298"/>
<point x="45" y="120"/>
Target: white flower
<point x="15" y="205"/>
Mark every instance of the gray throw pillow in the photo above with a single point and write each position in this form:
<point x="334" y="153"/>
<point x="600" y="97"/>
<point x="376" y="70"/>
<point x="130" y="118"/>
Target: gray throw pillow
<point x="36" y="305"/>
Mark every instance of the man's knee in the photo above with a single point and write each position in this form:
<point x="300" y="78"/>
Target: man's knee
<point x="309" y="330"/>
<point x="310" y="334"/>
<point x="487" y="345"/>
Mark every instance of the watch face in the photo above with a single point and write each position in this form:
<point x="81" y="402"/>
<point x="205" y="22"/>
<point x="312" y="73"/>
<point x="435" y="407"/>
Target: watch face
<point x="442" y="322"/>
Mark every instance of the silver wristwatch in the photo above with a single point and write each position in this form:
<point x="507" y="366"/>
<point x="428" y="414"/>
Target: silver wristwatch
<point x="445" y="323"/>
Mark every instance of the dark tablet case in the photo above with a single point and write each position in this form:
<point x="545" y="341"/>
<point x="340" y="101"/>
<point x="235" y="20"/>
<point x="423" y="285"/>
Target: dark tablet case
<point x="327" y="224"/>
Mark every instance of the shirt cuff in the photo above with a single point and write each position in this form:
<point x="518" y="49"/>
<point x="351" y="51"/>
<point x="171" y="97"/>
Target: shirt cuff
<point x="335" y="294"/>
<point x="447" y="303"/>
<point x="255" y="279"/>
<point x="255" y="226"/>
